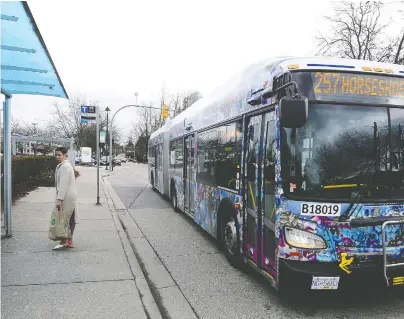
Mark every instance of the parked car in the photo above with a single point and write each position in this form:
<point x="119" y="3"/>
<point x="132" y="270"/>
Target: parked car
<point x="116" y="161"/>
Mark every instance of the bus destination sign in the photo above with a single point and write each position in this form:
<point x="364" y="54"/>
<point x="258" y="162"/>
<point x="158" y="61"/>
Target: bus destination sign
<point x="354" y="87"/>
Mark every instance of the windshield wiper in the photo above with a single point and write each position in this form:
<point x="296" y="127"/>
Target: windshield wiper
<point x="376" y="144"/>
<point x="358" y="196"/>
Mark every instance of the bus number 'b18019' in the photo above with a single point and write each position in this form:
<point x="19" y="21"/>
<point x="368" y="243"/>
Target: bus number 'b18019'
<point x="315" y="209"/>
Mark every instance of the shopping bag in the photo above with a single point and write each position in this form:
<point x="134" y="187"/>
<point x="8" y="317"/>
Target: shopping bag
<point x="59" y="227"/>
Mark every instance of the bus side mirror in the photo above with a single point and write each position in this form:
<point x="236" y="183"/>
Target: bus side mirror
<point x="267" y="93"/>
<point x="254" y="101"/>
<point x="293" y="112"/>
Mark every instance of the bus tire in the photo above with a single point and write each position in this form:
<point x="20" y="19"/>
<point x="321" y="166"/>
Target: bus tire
<point x="229" y="241"/>
<point x="174" y="200"/>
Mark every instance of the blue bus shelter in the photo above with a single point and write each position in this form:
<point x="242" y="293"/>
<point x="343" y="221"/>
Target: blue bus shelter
<point x="26" y="68"/>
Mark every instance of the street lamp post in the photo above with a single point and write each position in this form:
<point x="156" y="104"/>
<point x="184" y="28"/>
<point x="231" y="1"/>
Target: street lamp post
<point x="109" y="157"/>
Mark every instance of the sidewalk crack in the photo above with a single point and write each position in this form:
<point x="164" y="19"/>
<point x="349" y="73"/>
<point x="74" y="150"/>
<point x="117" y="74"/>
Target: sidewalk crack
<point x="158" y="288"/>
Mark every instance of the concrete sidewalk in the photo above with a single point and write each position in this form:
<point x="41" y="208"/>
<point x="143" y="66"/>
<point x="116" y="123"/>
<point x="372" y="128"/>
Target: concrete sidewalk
<point x="99" y="278"/>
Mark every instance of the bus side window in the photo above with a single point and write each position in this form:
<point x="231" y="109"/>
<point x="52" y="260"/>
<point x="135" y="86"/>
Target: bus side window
<point x="219" y="156"/>
<point x="228" y="156"/>
<point x="176" y="158"/>
<point x="205" y="172"/>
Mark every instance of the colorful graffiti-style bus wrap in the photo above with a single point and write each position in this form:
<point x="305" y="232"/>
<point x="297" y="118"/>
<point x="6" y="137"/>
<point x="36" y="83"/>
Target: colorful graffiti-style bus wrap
<point x="297" y="167"/>
<point x="340" y="236"/>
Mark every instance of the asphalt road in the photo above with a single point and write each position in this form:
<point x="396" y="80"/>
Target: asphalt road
<point x="215" y="289"/>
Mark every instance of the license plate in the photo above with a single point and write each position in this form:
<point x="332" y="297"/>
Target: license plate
<point x="317" y="209"/>
<point x="325" y="283"/>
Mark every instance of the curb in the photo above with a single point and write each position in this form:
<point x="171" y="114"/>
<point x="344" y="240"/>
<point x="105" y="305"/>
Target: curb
<point x="116" y="201"/>
<point x="167" y="296"/>
<point x="149" y="304"/>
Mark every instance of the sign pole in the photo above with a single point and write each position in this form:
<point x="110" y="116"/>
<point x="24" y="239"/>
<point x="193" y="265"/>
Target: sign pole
<point x="91" y="114"/>
<point x="98" y="156"/>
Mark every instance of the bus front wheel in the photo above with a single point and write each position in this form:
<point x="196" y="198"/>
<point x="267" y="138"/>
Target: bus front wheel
<point x="229" y="242"/>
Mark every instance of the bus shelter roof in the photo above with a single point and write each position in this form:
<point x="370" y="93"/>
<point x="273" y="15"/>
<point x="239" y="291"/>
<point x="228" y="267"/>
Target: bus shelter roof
<point x="26" y="65"/>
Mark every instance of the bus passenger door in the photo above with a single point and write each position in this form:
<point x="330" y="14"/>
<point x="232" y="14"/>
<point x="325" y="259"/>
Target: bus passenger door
<point x="252" y="189"/>
<point x="153" y="164"/>
<point x="189" y="174"/>
<point x="268" y="225"/>
<point x="156" y="161"/>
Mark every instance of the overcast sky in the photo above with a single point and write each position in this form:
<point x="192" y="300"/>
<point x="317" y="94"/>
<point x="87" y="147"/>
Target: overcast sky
<point x="109" y="50"/>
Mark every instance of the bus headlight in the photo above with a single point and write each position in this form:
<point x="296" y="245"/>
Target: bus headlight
<point x="303" y="239"/>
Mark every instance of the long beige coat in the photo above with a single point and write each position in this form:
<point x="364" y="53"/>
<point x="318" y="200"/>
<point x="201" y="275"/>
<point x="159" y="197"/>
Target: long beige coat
<point x="66" y="188"/>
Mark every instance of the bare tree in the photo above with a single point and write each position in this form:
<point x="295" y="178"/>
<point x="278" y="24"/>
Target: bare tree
<point x="398" y="42"/>
<point x="150" y="119"/>
<point x="360" y="33"/>
<point x="190" y="98"/>
<point x="182" y="101"/>
<point x="16" y="127"/>
<point x="34" y="129"/>
<point x="176" y="104"/>
<point x="67" y="123"/>
<point x="143" y="126"/>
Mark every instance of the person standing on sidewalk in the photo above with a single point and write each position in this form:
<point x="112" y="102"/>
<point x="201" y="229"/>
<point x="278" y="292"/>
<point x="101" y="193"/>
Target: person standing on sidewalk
<point x="66" y="194"/>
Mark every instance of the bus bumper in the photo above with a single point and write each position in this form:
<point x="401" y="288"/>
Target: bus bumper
<point x="306" y="274"/>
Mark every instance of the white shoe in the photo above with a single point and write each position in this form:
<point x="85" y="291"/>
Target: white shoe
<point x="58" y="246"/>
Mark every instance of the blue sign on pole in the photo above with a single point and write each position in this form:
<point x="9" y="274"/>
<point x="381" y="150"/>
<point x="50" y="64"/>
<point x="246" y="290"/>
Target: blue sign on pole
<point x="88" y="109"/>
<point x="88" y="114"/>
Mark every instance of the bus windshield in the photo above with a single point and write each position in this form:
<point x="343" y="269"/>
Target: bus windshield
<point x="345" y="153"/>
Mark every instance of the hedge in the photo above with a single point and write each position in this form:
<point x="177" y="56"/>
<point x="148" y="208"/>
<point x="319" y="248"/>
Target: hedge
<point x="29" y="172"/>
<point x="39" y="169"/>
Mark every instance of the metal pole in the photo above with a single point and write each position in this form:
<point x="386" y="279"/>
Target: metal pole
<point x="98" y="155"/>
<point x="7" y="166"/>
<point x="1" y="135"/>
<point x="106" y="168"/>
<point x="110" y="144"/>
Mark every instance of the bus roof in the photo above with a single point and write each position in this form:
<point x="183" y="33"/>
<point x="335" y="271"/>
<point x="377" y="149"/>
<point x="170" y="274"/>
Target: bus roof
<point x="341" y="64"/>
<point x="230" y="99"/>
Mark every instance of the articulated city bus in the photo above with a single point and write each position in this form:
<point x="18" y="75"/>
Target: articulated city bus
<point x="296" y="166"/>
